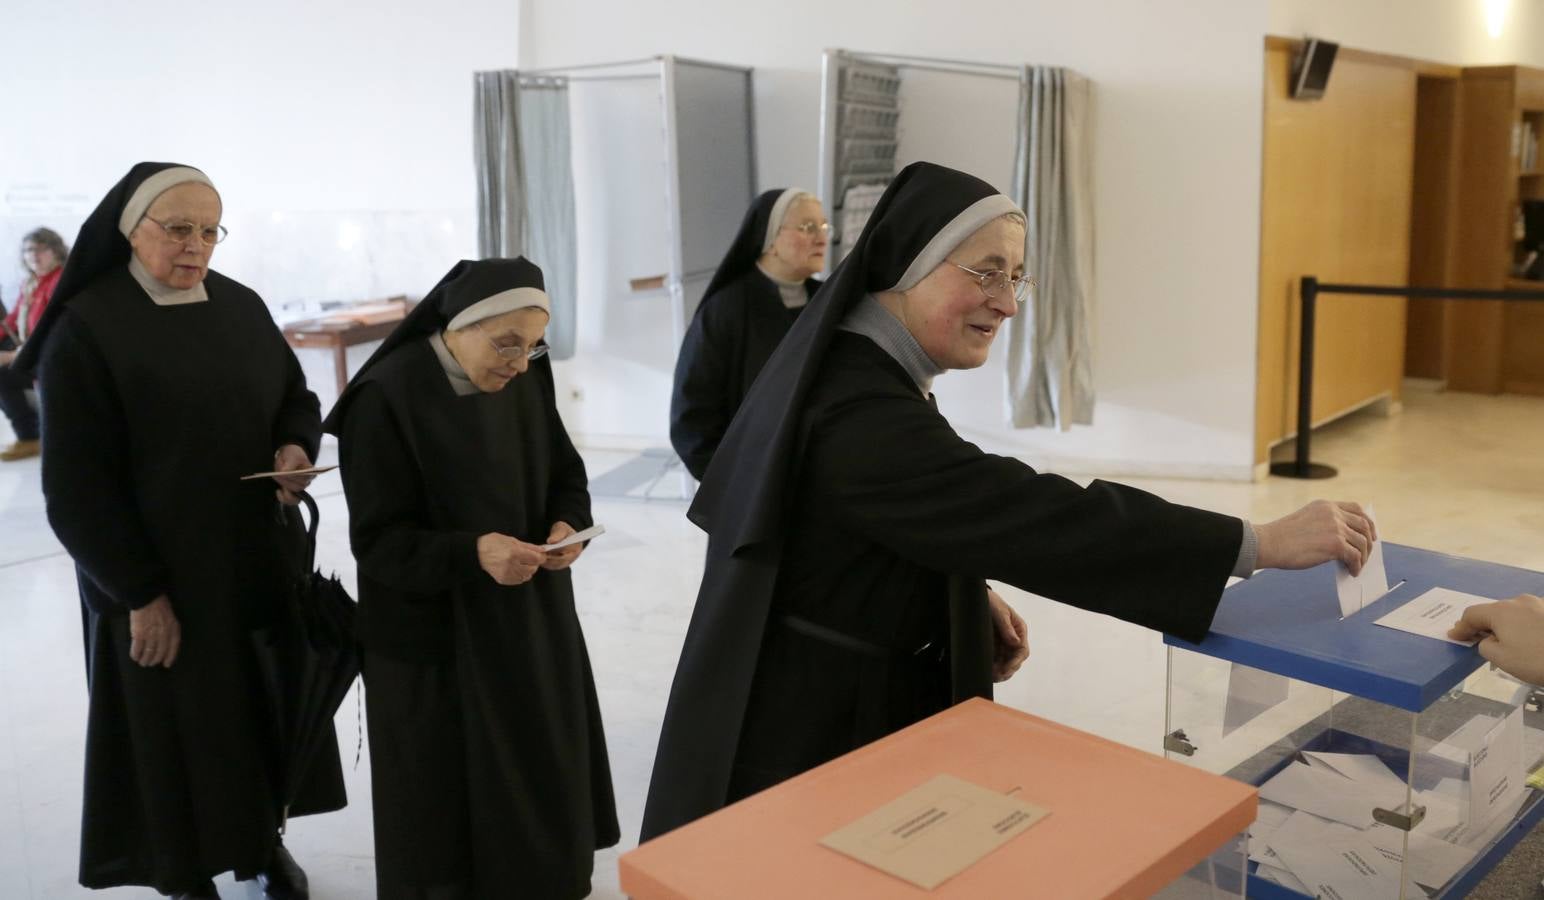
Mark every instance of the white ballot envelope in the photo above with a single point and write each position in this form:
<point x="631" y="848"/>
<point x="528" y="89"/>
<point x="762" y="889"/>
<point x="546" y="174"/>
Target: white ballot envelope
<point x="1357" y="591"/>
<point x="1433" y="613"/>
<point x="578" y="537"/>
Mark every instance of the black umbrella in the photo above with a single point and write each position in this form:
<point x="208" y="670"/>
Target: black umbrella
<point x="308" y="660"/>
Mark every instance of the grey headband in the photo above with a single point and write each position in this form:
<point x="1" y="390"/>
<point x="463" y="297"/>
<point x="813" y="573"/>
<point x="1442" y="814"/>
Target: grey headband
<point x="153" y="187"/>
<point x="780" y="209"/>
<point x="959" y="229"/>
<point x="499" y="304"/>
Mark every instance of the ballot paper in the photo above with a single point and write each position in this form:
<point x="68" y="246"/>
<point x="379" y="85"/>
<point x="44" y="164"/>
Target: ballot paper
<point x="577" y="537"/>
<point x="1432" y="614"/>
<point x="935" y="831"/>
<point x="1268" y="817"/>
<point x="1357" y="591"/>
<point x="1330" y="796"/>
<point x="311" y="470"/>
<point x="1433" y="862"/>
<point x="1251" y="692"/>
<point x="1490" y="748"/>
<point x="1284" y="878"/>
<point x="1337" y="862"/>
<point x="1359" y="767"/>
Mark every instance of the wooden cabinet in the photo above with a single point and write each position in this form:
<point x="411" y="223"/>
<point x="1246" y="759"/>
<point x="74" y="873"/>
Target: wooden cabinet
<point x="1494" y="347"/>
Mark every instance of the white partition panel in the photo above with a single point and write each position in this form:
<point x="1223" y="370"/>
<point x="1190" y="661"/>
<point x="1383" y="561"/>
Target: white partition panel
<point x="712" y="132"/>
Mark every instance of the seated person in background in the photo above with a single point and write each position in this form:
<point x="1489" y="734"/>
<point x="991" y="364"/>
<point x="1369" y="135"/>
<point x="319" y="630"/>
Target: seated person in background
<point x="43" y="253"/>
<point x="1511" y="632"/>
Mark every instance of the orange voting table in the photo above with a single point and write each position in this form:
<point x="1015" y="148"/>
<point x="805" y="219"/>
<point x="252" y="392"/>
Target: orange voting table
<point x="1122" y="823"/>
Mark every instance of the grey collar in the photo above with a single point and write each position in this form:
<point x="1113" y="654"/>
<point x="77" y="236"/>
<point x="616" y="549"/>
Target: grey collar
<point x="459" y="382"/>
<point x="162" y="294"/>
<point x="870" y="319"/>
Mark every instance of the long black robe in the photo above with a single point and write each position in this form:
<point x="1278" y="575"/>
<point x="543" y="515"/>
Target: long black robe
<point x="738" y="324"/>
<point x="488" y="755"/>
<point x="842" y="498"/>
<point x="730" y="338"/>
<point x="151" y="415"/>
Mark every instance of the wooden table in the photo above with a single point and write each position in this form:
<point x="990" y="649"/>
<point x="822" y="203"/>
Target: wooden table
<point x="344" y="329"/>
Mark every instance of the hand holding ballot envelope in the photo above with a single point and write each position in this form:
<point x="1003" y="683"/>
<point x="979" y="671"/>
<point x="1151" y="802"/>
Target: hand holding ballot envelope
<point x="564" y="545"/>
<point x="290" y="458"/>
<point x="1322" y="530"/>
<point x="1511" y="632"/>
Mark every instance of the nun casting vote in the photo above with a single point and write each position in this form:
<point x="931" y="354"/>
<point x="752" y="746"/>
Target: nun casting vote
<point x="162" y="383"/>
<point x="489" y="766"/>
<point x="758" y="291"/>
<point x="851" y="529"/>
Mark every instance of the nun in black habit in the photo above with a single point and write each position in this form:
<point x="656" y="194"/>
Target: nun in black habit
<point x="488" y="761"/>
<point x="162" y="383"/>
<point x="758" y="291"/>
<point x="851" y="529"/>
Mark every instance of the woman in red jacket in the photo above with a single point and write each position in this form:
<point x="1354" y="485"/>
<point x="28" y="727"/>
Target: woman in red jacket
<point x="43" y="253"/>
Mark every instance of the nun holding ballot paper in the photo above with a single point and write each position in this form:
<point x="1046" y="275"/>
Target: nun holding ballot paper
<point x="851" y="530"/>
<point x="489" y="767"/>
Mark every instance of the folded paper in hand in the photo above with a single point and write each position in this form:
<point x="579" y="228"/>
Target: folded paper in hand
<point x="577" y="537"/>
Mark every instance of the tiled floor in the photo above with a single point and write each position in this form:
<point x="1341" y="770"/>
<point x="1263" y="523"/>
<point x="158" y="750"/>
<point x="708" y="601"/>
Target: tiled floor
<point x="1458" y="473"/>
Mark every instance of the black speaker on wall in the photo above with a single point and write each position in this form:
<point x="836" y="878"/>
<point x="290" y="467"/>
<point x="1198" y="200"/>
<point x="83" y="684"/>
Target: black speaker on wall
<point x="1311" y="69"/>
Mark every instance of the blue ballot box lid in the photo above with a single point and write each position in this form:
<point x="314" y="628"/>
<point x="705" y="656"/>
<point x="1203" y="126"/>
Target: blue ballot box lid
<point x="1289" y="623"/>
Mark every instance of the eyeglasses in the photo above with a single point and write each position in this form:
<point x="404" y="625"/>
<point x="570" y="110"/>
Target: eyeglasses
<point x="516" y="353"/>
<point x="182" y="232"/>
<point x="994" y="281"/>
<point x="810" y="229"/>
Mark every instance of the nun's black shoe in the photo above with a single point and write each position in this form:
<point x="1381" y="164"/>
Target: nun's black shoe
<point x="284" y="879"/>
<point x="204" y="891"/>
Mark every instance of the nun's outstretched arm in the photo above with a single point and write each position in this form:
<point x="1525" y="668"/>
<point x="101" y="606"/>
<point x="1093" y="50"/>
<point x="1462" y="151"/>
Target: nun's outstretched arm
<point x="936" y="498"/>
<point x="388" y="509"/>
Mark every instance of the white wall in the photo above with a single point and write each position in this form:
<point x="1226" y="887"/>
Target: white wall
<point x="338" y="131"/>
<point x="1456" y="32"/>
<point x="1177" y="169"/>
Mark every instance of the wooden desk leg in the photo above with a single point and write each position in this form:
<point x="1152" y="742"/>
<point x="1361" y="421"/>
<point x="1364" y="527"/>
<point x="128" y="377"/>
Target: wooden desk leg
<point x="340" y="365"/>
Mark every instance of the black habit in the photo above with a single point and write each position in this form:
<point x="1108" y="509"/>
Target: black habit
<point x="151" y="414"/>
<point x="738" y="324"/>
<point x="489" y="764"/>
<point x="850" y="533"/>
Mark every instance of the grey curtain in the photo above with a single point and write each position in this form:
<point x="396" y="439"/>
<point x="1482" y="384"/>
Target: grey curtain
<point x="525" y="186"/>
<point x="1050" y="373"/>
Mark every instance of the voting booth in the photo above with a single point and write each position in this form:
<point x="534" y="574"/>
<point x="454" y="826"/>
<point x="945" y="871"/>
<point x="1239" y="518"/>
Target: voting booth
<point x="977" y="801"/>
<point x="1391" y="763"/>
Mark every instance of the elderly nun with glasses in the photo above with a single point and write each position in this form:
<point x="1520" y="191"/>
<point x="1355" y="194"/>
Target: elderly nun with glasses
<point x="488" y="762"/>
<point x="162" y="383"/>
<point x="851" y="529"/>
<point x="763" y="283"/>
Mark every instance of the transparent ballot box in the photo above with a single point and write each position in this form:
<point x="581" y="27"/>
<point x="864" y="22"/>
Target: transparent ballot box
<point x="1390" y="765"/>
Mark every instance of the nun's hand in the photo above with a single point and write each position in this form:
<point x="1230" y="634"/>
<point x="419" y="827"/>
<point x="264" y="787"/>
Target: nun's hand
<point x="508" y="561"/>
<point x="1011" y="647"/>
<point x="288" y="457"/>
<point x="561" y="559"/>
<point x="1319" y="532"/>
<point x="155" y="635"/>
